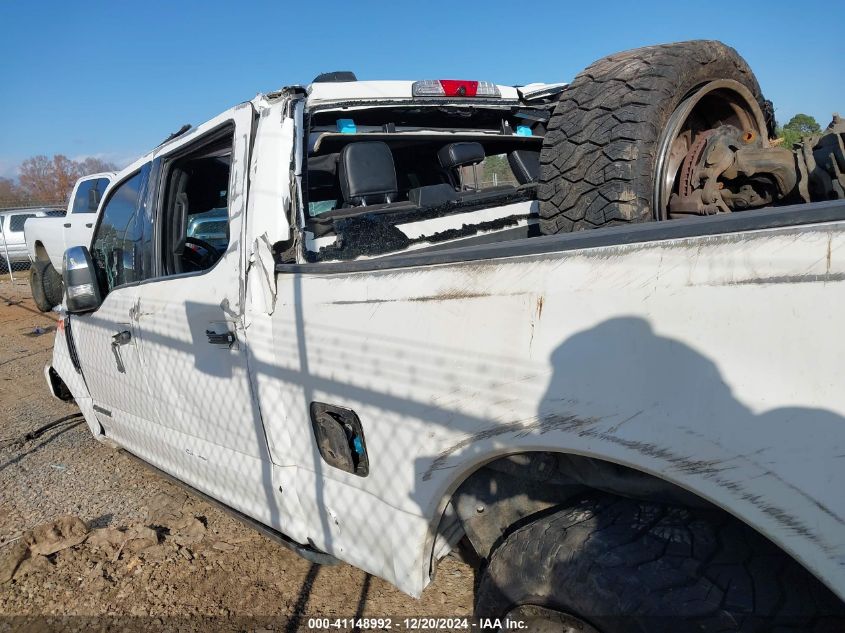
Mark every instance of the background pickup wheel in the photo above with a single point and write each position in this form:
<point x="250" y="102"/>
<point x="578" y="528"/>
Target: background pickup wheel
<point x="46" y="285"/>
<point x="618" y="136"/>
<point x="613" y="565"/>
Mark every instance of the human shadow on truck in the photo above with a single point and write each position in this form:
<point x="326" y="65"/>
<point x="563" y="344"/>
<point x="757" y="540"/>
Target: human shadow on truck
<point x="598" y="536"/>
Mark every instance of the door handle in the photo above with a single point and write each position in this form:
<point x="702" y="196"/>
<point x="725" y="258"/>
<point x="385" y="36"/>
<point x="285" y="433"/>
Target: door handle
<point x="67" y="225"/>
<point x="227" y="338"/>
<point x="121" y="338"/>
<point x="88" y="225"/>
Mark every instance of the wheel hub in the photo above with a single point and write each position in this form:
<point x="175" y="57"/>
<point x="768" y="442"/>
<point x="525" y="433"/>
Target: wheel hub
<point x="709" y="108"/>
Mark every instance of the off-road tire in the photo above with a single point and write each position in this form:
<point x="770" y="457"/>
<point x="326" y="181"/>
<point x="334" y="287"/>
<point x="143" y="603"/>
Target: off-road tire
<point x="627" y="566"/>
<point x="53" y="287"/>
<point x="46" y="285"/>
<point x="599" y="154"/>
<point x="36" y="288"/>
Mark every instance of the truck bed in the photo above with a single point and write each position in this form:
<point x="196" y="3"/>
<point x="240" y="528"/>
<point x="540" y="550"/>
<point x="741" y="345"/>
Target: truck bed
<point x="650" y="346"/>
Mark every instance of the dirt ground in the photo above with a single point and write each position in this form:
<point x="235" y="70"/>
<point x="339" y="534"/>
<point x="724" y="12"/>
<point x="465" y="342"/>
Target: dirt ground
<point x="134" y="551"/>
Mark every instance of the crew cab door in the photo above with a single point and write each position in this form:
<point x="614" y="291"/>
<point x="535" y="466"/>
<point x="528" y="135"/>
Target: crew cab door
<point x="79" y="222"/>
<point x="106" y="339"/>
<point x="190" y="318"/>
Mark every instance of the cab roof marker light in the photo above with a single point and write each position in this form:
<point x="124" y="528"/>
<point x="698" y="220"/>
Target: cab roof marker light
<point x="487" y="89"/>
<point x="454" y="88"/>
<point x="427" y="88"/>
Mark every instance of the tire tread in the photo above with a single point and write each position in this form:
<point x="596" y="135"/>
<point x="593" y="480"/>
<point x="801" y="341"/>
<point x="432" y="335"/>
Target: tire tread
<point x="619" y="562"/>
<point x="597" y="160"/>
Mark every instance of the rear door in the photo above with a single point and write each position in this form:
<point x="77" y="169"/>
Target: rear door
<point x="190" y="319"/>
<point x="79" y="223"/>
<point x="15" y="239"/>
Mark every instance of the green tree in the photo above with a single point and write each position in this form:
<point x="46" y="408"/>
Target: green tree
<point x="496" y="167"/>
<point x="798" y="126"/>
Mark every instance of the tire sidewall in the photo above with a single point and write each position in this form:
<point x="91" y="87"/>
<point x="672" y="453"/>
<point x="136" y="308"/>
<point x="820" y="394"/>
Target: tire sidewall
<point x="51" y="282"/>
<point x="569" y="586"/>
<point x="36" y="285"/>
<point x="561" y="563"/>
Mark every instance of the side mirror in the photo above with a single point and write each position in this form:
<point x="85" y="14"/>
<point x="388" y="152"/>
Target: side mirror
<point x="82" y="293"/>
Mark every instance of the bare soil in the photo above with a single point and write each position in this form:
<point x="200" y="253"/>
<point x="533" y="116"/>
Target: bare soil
<point x="144" y="555"/>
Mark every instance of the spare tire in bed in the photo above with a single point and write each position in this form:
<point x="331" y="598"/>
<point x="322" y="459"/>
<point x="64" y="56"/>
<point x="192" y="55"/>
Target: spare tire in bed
<point x="617" y="136"/>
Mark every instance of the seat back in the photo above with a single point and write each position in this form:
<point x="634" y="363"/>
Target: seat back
<point x="367" y="174"/>
<point x="525" y="165"/>
<point x="456" y="155"/>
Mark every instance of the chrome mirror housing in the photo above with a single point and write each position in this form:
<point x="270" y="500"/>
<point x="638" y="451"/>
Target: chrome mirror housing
<point x="82" y="293"/>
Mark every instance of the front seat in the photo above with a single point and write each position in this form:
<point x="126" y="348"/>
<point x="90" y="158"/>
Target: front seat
<point x="367" y="174"/>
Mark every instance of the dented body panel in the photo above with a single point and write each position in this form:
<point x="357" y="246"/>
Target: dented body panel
<point x="709" y="360"/>
<point x="449" y="366"/>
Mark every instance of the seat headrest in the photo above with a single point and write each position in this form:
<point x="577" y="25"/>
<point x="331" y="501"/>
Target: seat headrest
<point x="525" y="165"/>
<point x="458" y="154"/>
<point x="367" y="173"/>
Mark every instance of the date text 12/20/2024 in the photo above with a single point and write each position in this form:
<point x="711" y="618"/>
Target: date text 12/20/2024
<point x="416" y="624"/>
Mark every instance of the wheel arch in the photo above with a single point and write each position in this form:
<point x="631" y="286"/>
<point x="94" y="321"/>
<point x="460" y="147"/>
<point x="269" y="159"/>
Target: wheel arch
<point x="505" y="471"/>
<point x="41" y="254"/>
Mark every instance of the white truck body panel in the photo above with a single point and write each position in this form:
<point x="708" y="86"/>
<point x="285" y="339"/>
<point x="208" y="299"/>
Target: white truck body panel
<point x="709" y="361"/>
<point x="13" y="225"/>
<point x="374" y="91"/>
<point x="453" y="365"/>
<point x="53" y="236"/>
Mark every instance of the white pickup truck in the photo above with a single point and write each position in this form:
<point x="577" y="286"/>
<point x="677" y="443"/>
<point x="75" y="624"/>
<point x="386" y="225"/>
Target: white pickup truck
<point x="47" y="238"/>
<point x="376" y="356"/>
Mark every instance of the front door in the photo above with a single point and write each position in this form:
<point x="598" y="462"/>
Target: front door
<point x="190" y="319"/>
<point x="107" y="339"/>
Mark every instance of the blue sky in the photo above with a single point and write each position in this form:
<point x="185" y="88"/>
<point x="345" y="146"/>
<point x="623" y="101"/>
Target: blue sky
<point x="113" y="79"/>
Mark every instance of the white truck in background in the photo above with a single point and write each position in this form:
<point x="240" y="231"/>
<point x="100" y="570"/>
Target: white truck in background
<point x="12" y="243"/>
<point x="311" y="310"/>
<point x="47" y="238"/>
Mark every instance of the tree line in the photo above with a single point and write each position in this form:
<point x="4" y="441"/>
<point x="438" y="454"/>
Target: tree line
<point x="799" y="126"/>
<point x="48" y="181"/>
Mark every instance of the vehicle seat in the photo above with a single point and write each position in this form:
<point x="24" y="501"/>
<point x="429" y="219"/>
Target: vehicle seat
<point x="367" y="174"/>
<point x="525" y="165"/>
<point x="456" y="155"/>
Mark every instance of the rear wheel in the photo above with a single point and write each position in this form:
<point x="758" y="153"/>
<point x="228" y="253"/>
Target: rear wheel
<point x="614" y="565"/>
<point x="619" y="135"/>
<point x="46" y="285"/>
<point x="53" y="287"/>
